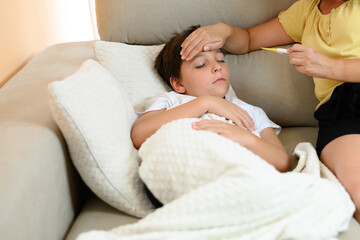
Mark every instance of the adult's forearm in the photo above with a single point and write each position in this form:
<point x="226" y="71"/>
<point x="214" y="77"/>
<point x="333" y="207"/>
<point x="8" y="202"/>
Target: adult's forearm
<point x="267" y="34"/>
<point x="347" y="70"/>
<point x="238" y="40"/>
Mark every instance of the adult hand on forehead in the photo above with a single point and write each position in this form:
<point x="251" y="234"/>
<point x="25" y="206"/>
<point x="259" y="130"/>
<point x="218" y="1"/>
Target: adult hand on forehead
<point x="204" y="39"/>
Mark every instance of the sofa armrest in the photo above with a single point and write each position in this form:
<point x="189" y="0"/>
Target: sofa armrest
<point x="40" y="190"/>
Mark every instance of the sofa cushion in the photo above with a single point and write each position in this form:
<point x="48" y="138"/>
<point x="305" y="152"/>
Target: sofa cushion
<point x="95" y="209"/>
<point x="291" y="136"/>
<point x="95" y="117"/>
<point x="120" y="21"/>
<point x="267" y="80"/>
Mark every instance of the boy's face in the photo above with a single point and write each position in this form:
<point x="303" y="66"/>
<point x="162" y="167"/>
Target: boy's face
<point x="206" y="74"/>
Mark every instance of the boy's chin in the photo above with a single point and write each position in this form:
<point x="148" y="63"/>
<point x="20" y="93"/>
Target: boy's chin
<point x="223" y="92"/>
<point x="214" y="92"/>
<point x="221" y="95"/>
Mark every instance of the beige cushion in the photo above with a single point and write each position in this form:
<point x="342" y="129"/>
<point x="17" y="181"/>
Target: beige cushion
<point x="96" y="117"/>
<point x="267" y="80"/>
<point x="154" y="22"/>
<point x="96" y="215"/>
<point x="291" y="136"/>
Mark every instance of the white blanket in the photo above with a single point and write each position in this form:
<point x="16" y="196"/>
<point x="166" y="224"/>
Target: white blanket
<point x="214" y="188"/>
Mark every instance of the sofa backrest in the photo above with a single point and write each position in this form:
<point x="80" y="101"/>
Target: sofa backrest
<point x="154" y="21"/>
<point x="260" y="78"/>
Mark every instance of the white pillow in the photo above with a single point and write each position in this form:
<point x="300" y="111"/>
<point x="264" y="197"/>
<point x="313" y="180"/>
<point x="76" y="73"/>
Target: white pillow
<point x="95" y="117"/>
<point x="133" y="67"/>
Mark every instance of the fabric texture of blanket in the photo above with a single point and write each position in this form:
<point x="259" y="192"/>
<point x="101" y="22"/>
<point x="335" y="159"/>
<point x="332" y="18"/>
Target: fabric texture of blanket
<point x="213" y="188"/>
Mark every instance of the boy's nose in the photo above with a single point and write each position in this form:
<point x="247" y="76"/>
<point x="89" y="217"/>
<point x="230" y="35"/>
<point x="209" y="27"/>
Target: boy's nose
<point x="216" y="67"/>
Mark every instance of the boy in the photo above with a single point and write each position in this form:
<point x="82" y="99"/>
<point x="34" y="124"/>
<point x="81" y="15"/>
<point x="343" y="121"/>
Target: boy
<point x="200" y="87"/>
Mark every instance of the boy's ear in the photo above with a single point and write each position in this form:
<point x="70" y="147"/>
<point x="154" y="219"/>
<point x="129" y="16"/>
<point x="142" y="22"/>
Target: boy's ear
<point x="177" y="85"/>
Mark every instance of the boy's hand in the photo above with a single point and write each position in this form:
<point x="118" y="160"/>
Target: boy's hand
<point x="232" y="132"/>
<point x="231" y="111"/>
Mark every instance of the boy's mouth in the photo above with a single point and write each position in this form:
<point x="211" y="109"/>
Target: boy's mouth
<point x="219" y="80"/>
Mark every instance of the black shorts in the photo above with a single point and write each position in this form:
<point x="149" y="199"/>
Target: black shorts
<point x="340" y="115"/>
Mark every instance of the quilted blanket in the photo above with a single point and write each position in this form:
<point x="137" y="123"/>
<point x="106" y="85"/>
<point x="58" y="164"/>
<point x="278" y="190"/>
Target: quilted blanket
<point x="213" y="188"/>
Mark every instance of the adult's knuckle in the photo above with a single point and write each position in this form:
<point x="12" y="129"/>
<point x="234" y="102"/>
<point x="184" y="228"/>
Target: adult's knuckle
<point x="201" y="31"/>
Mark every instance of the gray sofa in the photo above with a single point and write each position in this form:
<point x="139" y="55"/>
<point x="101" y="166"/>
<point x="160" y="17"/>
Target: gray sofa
<point x="42" y="195"/>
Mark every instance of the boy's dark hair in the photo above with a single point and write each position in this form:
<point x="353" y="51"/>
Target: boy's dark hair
<point x="168" y="62"/>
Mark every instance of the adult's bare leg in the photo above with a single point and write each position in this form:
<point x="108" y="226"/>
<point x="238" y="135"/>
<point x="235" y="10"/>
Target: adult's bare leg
<point x="342" y="157"/>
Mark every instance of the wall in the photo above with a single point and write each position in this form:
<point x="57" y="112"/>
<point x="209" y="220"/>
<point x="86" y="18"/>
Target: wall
<point x="29" y="26"/>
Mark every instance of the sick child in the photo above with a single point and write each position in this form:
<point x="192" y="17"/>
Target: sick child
<point x="200" y="86"/>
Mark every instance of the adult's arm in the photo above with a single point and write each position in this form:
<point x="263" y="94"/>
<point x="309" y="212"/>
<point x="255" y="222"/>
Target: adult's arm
<point x="234" y="40"/>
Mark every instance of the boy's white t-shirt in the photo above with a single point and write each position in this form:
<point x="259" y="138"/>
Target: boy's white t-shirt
<point x="172" y="99"/>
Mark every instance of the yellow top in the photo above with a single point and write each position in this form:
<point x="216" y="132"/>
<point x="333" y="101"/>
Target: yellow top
<point x="336" y="35"/>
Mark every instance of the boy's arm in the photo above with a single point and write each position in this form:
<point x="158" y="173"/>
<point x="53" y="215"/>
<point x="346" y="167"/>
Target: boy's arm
<point x="268" y="147"/>
<point x="150" y="122"/>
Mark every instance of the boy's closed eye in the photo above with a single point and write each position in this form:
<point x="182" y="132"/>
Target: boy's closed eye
<point x="202" y="58"/>
<point x="200" y="65"/>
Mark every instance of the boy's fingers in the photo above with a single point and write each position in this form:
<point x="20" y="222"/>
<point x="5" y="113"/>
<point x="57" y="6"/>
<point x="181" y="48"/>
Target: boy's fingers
<point x="247" y="121"/>
<point x="200" y="125"/>
<point x="240" y="123"/>
<point x="209" y="125"/>
<point x="248" y="126"/>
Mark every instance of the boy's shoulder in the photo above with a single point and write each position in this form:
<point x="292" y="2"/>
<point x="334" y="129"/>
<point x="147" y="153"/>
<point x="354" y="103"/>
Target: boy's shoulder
<point x="179" y="96"/>
<point x="235" y="100"/>
<point x="172" y="98"/>
<point x="168" y="95"/>
<point x="246" y="106"/>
